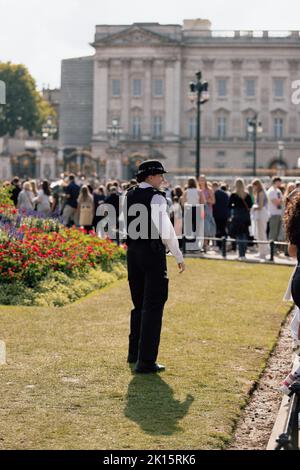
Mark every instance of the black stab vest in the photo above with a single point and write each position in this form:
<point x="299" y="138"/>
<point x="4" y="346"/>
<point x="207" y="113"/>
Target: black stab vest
<point x="137" y="195"/>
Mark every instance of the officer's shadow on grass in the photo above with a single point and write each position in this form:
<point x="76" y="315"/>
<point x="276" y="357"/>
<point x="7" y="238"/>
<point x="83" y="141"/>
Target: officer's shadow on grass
<point x="151" y="404"/>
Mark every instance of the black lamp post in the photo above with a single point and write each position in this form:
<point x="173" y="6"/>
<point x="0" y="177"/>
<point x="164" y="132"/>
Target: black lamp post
<point x="198" y="91"/>
<point x="254" y="127"/>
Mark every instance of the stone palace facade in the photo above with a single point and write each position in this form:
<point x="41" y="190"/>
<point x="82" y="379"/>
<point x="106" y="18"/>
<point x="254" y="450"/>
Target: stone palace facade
<point x="139" y="76"/>
<point x="130" y="100"/>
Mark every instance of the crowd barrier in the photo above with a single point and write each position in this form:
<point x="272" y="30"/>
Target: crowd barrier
<point x="225" y="240"/>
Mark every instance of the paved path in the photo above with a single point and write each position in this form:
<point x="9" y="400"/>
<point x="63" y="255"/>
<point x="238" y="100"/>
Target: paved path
<point x="250" y="257"/>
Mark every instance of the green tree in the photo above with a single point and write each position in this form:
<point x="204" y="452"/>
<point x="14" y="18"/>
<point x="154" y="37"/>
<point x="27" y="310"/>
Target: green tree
<point x="25" y="108"/>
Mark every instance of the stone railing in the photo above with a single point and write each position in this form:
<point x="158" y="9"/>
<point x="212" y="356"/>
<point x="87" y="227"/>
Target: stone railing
<point x="242" y="34"/>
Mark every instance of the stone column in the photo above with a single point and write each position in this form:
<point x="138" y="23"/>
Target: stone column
<point x="265" y="90"/>
<point x="293" y="115"/>
<point x="237" y="126"/>
<point x="177" y="98"/>
<point x="100" y="102"/>
<point x="207" y="114"/>
<point x="125" y="91"/>
<point x="170" y="93"/>
<point x="147" y="131"/>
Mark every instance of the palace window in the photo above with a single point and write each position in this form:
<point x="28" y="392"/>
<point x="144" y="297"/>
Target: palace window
<point x="157" y="126"/>
<point x="250" y="87"/>
<point x="222" y="127"/>
<point x="116" y="88"/>
<point x="220" y="159"/>
<point x="136" y="127"/>
<point x="192" y="127"/>
<point x="137" y="87"/>
<point x="278" y="128"/>
<point x="158" y="87"/>
<point x="278" y="87"/>
<point x="222" y="87"/>
<point x="248" y="162"/>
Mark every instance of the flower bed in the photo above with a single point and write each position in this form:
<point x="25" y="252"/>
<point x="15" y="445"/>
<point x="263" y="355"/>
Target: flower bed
<point x="69" y="251"/>
<point x="32" y="249"/>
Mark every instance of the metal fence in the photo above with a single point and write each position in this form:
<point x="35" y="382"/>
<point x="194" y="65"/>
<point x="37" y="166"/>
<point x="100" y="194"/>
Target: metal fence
<point x="225" y="240"/>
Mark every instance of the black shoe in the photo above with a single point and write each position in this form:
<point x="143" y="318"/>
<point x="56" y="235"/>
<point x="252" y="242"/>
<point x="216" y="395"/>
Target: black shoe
<point x="146" y="369"/>
<point x="131" y="359"/>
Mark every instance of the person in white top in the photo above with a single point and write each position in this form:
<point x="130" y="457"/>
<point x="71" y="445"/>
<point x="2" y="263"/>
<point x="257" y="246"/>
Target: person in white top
<point x="44" y="199"/>
<point x="191" y="199"/>
<point x="26" y="197"/>
<point x="275" y="198"/>
<point x="260" y="216"/>
<point x="162" y="222"/>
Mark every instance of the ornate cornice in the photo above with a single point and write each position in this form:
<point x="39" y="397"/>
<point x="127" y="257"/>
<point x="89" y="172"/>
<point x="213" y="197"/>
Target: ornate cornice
<point x="237" y="64"/>
<point x="294" y="64"/>
<point x="103" y="63"/>
<point x="265" y="65"/>
<point x="208" y="63"/>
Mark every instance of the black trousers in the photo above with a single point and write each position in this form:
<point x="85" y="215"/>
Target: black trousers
<point x="221" y="231"/>
<point x="295" y="288"/>
<point x="148" y="281"/>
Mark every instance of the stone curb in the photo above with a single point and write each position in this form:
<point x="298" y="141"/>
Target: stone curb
<point x="282" y="417"/>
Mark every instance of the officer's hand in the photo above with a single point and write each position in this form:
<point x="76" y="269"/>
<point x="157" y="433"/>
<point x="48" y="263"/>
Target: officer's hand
<point x="181" y="267"/>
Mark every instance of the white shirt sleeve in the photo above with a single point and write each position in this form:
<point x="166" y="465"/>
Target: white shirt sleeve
<point x="272" y="194"/>
<point x="162" y="222"/>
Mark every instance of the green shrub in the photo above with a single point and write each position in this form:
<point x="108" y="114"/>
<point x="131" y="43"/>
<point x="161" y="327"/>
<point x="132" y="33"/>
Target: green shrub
<point x="16" y="294"/>
<point x="59" y="289"/>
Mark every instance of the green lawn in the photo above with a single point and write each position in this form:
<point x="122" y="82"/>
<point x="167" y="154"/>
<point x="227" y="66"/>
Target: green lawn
<point x="67" y="385"/>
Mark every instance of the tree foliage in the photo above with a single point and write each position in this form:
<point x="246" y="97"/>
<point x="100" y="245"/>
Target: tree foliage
<point x="25" y="108"/>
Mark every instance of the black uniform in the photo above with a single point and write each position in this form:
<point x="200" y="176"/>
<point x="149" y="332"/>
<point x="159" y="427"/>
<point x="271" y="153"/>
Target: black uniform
<point x="148" y="281"/>
<point x="295" y="287"/>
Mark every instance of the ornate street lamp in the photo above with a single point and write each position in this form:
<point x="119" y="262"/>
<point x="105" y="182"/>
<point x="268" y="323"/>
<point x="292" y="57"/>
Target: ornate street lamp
<point x="49" y="128"/>
<point x="254" y="128"/>
<point x="281" y="149"/>
<point x="113" y="164"/>
<point x="114" y="131"/>
<point x="281" y="164"/>
<point x="199" y="93"/>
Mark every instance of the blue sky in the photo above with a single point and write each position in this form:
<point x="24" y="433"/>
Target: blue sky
<point x="40" y="34"/>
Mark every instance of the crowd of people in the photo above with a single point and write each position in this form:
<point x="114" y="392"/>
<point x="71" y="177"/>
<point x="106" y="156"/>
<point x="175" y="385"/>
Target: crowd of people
<point x="245" y="213"/>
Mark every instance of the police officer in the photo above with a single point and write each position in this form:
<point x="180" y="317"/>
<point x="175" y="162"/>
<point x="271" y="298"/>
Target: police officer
<point x="149" y="234"/>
